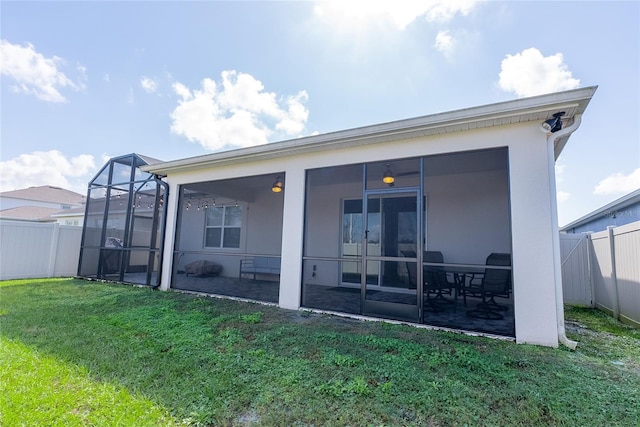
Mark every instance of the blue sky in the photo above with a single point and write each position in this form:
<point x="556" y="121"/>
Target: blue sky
<point x="85" y="81"/>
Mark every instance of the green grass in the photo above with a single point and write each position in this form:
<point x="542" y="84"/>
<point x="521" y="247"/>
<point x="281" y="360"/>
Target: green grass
<point x="78" y="353"/>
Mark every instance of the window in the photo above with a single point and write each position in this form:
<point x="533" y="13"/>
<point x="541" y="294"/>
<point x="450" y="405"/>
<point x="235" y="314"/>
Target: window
<point x="223" y="226"/>
<point x="352" y="222"/>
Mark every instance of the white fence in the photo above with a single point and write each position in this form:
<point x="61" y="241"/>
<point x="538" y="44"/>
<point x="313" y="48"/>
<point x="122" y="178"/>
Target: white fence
<point x="603" y="270"/>
<point x="576" y="273"/>
<point x="35" y="250"/>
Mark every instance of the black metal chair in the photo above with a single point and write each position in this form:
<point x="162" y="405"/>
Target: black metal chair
<point x="435" y="279"/>
<point x="493" y="283"/>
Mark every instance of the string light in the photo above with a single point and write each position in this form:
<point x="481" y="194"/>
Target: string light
<point x="203" y="203"/>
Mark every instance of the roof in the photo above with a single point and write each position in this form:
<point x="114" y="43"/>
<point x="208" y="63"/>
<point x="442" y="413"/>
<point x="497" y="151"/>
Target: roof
<point x="523" y="110"/>
<point x="618" y="204"/>
<point x="46" y="193"/>
<point x="29" y="213"/>
<point x="72" y="212"/>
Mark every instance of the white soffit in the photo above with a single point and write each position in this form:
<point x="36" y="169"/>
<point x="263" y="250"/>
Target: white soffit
<point x="523" y="110"/>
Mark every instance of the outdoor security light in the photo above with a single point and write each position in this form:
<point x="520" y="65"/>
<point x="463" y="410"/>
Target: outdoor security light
<point x="554" y="124"/>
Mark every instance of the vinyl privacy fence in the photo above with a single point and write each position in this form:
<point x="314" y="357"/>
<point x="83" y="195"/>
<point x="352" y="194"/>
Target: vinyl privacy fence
<point x="35" y="250"/>
<point x="603" y="270"/>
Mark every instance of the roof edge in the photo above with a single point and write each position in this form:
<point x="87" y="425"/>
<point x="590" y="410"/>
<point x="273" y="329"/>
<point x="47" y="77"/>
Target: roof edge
<point x="405" y="127"/>
<point x="622" y="202"/>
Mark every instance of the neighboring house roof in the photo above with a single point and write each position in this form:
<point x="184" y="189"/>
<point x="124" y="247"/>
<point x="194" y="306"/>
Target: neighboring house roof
<point x="70" y="212"/>
<point x="46" y="193"/>
<point x="75" y="212"/>
<point x="524" y="110"/>
<point x="29" y="213"/>
<point x="617" y="205"/>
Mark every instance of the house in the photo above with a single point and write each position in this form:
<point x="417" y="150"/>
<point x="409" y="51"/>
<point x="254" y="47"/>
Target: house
<point x="29" y="213"/>
<point x="73" y="216"/>
<point x="447" y="220"/>
<point x="39" y="203"/>
<point x="619" y="212"/>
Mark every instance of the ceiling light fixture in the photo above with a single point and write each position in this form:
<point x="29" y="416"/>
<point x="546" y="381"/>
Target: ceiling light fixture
<point x="388" y="177"/>
<point x="277" y="186"/>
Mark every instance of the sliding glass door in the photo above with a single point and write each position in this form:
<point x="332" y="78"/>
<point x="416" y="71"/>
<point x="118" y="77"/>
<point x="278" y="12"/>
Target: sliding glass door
<point x="390" y="244"/>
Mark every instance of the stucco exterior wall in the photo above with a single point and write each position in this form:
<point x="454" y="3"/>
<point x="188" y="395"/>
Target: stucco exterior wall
<point x="533" y="234"/>
<point x="264" y="223"/>
<point x="448" y="230"/>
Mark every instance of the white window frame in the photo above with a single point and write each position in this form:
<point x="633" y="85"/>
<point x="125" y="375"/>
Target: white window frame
<point x="222" y="227"/>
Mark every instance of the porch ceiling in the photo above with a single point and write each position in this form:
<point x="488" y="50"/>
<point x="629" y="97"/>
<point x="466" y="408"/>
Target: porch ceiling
<point x="524" y="110"/>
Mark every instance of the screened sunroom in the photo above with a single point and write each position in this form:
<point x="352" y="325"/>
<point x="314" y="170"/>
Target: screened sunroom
<point x="123" y="233"/>
<point x="229" y="237"/>
<point x="373" y="231"/>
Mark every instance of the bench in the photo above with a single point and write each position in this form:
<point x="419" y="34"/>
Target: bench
<point x="260" y="265"/>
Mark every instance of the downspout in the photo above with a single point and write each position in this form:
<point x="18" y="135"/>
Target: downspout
<point x="551" y="139"/>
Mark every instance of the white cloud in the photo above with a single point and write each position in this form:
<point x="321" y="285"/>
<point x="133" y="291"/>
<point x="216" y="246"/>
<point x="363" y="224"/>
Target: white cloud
<point x="619" y="183"/>
<point x="47" y="168"/>
<point x="446" y="10"/>
<point x="34" y="74"/>
<point x="529" y="73"/>
<point x="444" y="42"/>
<point x="296" y="116"/>
<point x="182" y="91"/>
<point x="401" y="13"/>
<point x="238" y="112"/>
<point x="148" y="84"/>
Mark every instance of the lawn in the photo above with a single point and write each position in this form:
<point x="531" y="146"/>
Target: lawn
<point x="80" y="353"/>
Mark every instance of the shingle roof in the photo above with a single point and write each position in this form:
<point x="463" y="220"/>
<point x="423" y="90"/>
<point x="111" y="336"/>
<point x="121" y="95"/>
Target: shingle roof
<point x="78" y="211"/>
<point x="29" y="213"/>
<point x="46" y="193"/>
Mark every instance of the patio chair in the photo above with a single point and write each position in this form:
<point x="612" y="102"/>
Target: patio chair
<point x="435" y="280"/>
<point x="493" y="283"/>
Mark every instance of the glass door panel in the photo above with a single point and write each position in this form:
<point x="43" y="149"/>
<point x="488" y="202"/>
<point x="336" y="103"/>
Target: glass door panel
<point x="352" y="235"/>
<point x="390" y="247"/>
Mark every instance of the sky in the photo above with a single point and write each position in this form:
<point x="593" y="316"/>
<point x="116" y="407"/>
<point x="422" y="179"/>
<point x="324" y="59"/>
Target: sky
<point x="85" y="81"/>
